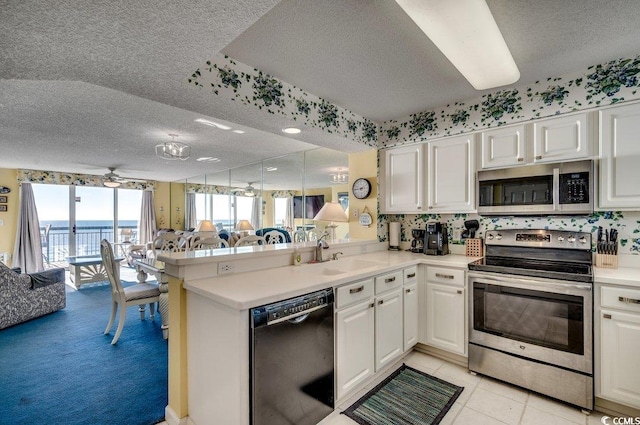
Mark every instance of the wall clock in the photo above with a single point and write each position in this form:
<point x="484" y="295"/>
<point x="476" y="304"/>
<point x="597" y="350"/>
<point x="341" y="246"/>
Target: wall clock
<point x="361" y="188"/>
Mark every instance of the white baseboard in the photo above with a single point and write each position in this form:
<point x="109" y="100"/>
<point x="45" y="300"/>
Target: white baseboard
<point x="172" y="418"/>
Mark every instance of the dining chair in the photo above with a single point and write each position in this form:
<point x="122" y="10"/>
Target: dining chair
<point x="250" y="240"/>
<point x="299" y="235"/>
<point x="210" y="242"/>
<point x="169" y="242"/>
<point x="274" y="237"/>
<point x="138" y="294"/>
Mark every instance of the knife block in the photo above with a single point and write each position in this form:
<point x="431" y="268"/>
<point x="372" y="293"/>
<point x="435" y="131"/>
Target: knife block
<point x="607" y="261"/>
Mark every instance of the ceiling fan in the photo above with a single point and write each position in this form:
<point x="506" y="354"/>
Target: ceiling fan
<point x="111" y="179"/>
<point x="247" y="191"/>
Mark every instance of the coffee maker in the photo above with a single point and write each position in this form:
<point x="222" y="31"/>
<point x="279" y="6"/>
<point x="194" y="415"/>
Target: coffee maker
<point x="436" y="240"/>
<point x="417" y="243"/>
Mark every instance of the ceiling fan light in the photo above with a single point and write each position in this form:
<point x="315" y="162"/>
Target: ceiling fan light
<point x="111" y="183"/>
<point x="467" y="34"/>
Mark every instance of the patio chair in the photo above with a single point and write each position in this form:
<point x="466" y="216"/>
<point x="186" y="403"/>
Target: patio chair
<point x="139" y="294"/>
<point x="44" y="241"/>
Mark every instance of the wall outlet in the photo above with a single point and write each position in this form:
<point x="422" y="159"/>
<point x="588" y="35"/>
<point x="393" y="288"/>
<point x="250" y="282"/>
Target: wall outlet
<point x="225" y="268"/>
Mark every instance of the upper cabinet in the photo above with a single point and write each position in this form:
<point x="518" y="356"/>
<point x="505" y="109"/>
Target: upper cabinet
<point x="557" y="139"/>
<point x="561" y="139"/>
<point x="402" y="171"/>
<point x="503" y="147"/>
<point x="620" y="157"/>
<point x="451" y="175"/>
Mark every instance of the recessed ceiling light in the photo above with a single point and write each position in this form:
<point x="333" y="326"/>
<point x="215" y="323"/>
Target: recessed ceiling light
<point x="213" y="124"/>
<point x="208" y="159"/>
<point x="239" y="131"/>
<point x="271" y="168"/>
<point x="467" y="34"/>
<point x="291" y="130"/>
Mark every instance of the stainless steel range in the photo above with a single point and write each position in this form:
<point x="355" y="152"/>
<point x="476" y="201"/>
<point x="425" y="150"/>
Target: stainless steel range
<point x="531" y="312"/>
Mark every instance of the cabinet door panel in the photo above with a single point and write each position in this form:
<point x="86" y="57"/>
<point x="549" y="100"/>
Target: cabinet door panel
<point x="503" y="147"/>
<point x="451" y="175"/>
<point x="446" y="318"/>
<point x="620" y="154"/>
<point x="354" y="346"/>
<point x="560" y="139"/>
<point x="620" y="345"/>
<point x="403" y="179"/>
<point x="388" y="320"/>
<point x="410" y="316"/>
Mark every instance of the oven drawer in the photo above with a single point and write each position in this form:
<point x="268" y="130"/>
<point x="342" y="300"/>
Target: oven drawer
<point x="444" y="275"/>
<point x="388" y="281"/>
<point x="353" y="292"/>
<point x="620" y="298"/>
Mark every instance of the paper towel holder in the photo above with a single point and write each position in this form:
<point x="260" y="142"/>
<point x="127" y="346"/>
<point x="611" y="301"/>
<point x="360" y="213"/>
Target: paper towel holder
<point x="394" y="236"/>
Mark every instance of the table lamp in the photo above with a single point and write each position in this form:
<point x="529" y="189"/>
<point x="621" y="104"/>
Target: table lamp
<point x="206" y="228"/>
<point x="332" y="211"/>
<point x="244" y="226"/>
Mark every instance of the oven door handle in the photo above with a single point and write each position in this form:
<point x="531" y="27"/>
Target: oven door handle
<point x="546" y="283"/>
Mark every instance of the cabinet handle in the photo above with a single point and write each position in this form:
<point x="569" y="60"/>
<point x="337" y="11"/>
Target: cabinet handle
<point x="372" y="305"/>
<point x="409" y="276"/>
<point x="539" y="157"/>
<point x="606" y="316"/>
<point x="628" y="300"/>
<point x="520" y="159"/>
<point x="356" y="290"/>
<point x="407" y="290"/>
<point x="459" y="291"/>
<point x="430" y="207"/>
<point x="444" y="276"/>
<point x="380" y="302"/>
<point x="419" y="207"/>
<point x="389" y="280"/>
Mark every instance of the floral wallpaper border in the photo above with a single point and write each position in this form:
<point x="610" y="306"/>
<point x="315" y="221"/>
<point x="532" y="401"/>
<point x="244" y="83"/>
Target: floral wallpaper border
<point x="598" y="85"/>
<point x="70" y="179"/>
<point x="237" y="81"/>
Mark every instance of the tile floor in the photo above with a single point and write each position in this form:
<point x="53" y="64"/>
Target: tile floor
<point x="484" y="401"/>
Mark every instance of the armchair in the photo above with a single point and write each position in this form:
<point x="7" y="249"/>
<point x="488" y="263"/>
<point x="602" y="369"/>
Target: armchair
<point x="27" y="296"/>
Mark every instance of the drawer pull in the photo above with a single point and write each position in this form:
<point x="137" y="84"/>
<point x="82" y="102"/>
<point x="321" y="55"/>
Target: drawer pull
<point x="539" y="157"/>
<point x="628" y="300"/>
<point x="459" y="291"/>
<point x="372" y="305"/>
<point x="520" y="159"/>
<point x="606" y="316"/>
<point x="445" y="276"/>
<point x="380" y="302"/>
<point x="409" y="276"/>
<point x="390" y="279"/>
<point x="356" y="290"/>
<point x="407" y="290"/>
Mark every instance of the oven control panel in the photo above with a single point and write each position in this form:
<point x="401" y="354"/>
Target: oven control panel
<point x="539" y="238"/>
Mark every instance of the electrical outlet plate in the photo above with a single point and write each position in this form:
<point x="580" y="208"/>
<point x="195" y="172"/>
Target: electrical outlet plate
<point x="225" y="268"/>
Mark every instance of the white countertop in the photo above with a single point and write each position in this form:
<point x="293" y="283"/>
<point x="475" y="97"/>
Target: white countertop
<point x="242" y="291"/>
<point x="627" y="276"/>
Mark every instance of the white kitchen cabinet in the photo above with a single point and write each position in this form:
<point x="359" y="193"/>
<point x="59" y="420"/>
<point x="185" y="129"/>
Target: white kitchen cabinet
<point x="388" y="324"/>
<point x="354" y="346"/>
<point x="562" y="139"/>
<point x="503" y="147"/>
<point x="619" y="346"/>
<point x="402" y="171"/>
<point x="451" y="175"/>
<point x="410" y="306"/>
<point x="620" y="158"/>
<point x="446" y="312"/>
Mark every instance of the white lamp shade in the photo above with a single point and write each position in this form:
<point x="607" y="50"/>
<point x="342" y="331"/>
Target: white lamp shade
<point x="332" y="211"/>
<point x="205" y="226"/>
<point x="244" y="225"/>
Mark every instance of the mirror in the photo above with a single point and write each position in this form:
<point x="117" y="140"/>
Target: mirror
<point x="246" y="191"/>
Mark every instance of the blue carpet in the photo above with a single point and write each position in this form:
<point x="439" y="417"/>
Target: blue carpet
<point x="61" y="369"/>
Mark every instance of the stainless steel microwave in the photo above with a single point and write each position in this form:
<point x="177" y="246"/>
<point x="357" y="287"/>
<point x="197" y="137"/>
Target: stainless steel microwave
<point x="542" y="189"/>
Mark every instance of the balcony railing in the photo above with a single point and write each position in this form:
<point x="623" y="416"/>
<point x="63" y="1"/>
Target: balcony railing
<point x="55" y="245"/>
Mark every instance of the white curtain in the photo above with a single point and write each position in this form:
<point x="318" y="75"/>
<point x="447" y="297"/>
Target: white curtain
<point x="147" y="218"/>
<point x="289" y="222"/>
<point x="27" y="252"/>
<point x="256" y="212"/>
<point x="190" y="218"/>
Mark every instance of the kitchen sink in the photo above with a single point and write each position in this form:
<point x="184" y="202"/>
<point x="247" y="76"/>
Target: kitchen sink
<point x="337" y="267"/>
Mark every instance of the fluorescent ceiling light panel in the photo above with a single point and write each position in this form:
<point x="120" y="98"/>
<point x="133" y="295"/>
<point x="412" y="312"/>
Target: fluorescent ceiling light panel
<point x="213" y="124"/>
<point x="466" y="33"/>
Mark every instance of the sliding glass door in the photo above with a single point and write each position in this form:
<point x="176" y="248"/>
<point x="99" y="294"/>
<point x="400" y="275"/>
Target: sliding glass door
<point x="94" y="219"/>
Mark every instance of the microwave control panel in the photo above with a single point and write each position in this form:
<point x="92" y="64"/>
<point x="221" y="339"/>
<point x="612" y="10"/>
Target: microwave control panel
<point x="574" y="188"/>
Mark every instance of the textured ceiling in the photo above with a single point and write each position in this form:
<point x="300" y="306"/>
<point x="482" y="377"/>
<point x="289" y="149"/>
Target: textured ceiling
<point x="86" y="85"/>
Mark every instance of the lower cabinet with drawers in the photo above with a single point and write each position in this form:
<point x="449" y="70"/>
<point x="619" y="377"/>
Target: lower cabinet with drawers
<point x="618" y="317"/>
<point x="370" y="325"/>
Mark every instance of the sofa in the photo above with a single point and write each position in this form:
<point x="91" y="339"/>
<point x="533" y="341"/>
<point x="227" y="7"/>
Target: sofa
<point x="27" y="296"/>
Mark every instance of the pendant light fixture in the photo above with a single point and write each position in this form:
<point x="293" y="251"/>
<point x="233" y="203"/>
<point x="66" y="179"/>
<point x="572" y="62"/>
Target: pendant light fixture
<point x="173" y="150"/>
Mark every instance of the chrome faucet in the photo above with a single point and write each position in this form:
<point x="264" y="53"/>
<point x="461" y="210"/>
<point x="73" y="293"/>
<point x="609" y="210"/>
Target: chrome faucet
<point x="322" y="244"/>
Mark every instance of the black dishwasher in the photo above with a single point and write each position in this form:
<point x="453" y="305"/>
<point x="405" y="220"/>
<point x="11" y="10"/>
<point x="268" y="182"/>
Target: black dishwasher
<point x="291" y="349"/>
